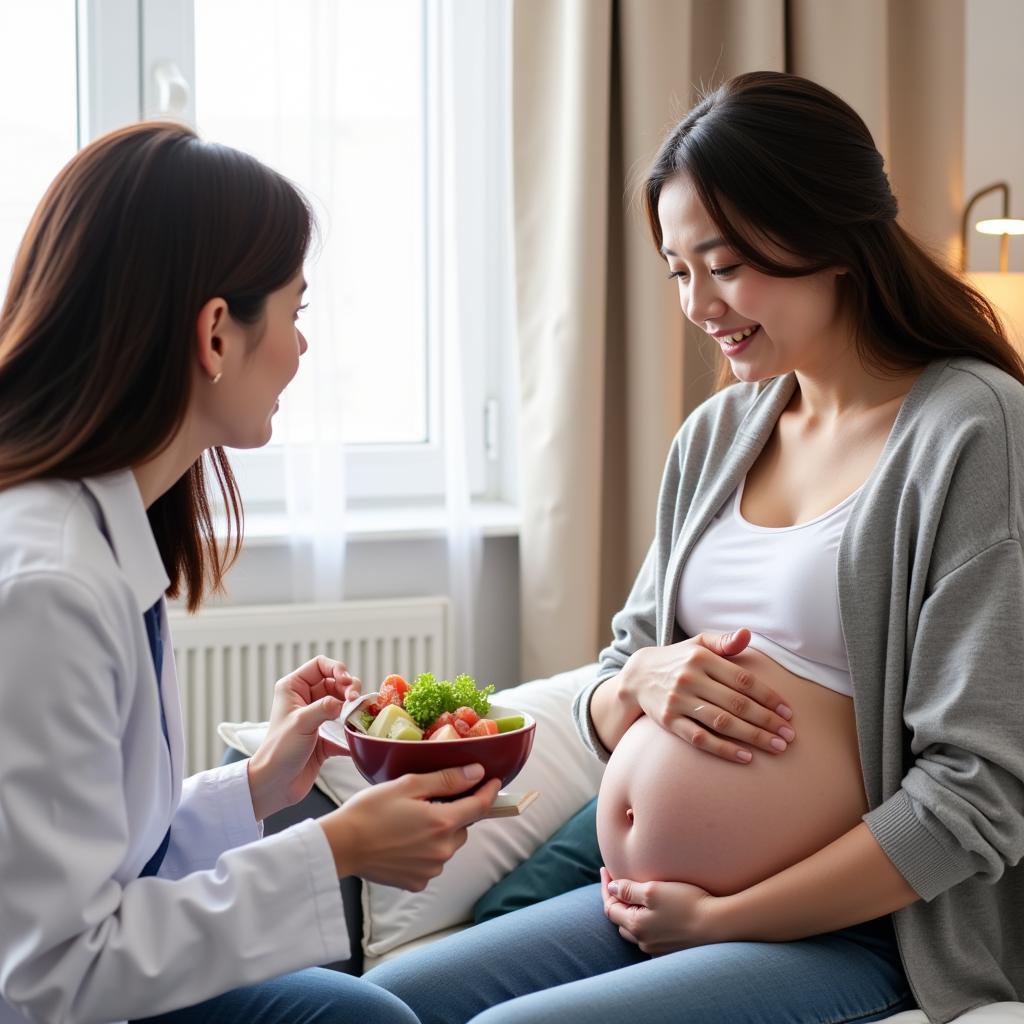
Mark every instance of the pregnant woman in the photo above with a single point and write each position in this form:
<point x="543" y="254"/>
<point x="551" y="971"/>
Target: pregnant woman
<point x="813" y="809"/>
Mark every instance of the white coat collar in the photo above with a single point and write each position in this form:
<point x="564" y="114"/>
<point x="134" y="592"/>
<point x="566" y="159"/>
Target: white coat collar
<point x="127" y="528"/>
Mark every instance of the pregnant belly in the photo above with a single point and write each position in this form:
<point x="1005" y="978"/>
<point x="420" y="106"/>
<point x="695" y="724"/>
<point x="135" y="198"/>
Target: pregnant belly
<point x="669" y="812"/>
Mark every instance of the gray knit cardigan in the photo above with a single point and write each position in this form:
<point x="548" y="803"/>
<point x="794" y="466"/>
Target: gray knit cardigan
<point x="931" y="595"/>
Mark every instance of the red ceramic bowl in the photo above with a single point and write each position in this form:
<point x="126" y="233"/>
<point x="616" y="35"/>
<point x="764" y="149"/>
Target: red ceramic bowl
<point x="380" y="760"/>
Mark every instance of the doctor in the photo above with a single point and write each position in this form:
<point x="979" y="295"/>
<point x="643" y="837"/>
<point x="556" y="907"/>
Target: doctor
<point x="150" y="320"/>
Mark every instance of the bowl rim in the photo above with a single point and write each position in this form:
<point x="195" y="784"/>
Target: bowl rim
<point x="529" y="722"/>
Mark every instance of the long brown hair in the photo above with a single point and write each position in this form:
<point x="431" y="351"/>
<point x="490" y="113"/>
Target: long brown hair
<point x="777" y="158"/>
<point x="141" y="229"/>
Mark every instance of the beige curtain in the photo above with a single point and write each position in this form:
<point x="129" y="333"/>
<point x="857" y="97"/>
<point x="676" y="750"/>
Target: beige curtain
<point x="607" y="369"/>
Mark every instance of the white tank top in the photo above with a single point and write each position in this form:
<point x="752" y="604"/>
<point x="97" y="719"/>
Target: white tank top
<point x="779" y="582"/>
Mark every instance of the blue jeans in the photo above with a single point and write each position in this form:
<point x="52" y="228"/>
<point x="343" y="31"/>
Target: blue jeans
<point x="563" y="961"/>
<point x="315" y="996"/>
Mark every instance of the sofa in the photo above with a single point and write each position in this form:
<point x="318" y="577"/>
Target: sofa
<point x="385" y="922"/>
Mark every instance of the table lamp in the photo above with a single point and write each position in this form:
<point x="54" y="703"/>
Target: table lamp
<point x="1005" y="290"/>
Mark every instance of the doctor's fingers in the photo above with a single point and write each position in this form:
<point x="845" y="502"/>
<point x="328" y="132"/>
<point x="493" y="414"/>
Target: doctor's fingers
<point x="323" y="675"/>
<point x="472" y="808"/>
<point x="321" y="667"/>
<point x="345" y="689"/>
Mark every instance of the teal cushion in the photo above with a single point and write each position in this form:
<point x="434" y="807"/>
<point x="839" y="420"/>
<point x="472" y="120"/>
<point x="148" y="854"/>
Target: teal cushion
<point x="568" y="860"/>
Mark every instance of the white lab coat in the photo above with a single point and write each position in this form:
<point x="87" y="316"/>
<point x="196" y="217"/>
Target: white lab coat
<point x="87" y="790"/>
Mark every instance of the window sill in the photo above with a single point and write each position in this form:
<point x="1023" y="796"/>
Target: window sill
<point x="390" y="523"/>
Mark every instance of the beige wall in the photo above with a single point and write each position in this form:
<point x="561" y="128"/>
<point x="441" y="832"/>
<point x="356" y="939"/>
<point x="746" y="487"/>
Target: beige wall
<point x="994" y="123"/>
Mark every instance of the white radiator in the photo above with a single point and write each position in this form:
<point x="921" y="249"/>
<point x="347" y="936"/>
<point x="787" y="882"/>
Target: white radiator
<point x="228" y="659"/>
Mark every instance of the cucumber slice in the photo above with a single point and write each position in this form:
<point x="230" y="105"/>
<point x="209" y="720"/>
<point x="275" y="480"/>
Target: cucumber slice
<point x="385" y="721"/>
<point x="510" y="723"/>
<point x="403" y="730"/>
<point x="359" y="720"/>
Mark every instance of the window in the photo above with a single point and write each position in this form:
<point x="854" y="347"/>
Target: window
<point x="344" y="98"/>
<point x="333" y="96"/>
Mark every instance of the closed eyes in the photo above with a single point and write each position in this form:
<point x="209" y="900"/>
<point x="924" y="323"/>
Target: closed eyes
<point x="719" y="272"/>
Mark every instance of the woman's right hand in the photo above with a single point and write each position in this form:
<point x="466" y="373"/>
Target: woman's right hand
<point x="393" y="833"/>
<point x="693" y="690"/>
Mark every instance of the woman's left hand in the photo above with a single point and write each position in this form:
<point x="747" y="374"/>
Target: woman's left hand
<point x="284" y="767"/>
<point x="659" y="917"/>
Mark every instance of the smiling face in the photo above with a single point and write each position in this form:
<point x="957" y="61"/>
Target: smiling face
<point x="256" y="363"/>
<point x="766" y="326"/>
<point x="270" y="366"/>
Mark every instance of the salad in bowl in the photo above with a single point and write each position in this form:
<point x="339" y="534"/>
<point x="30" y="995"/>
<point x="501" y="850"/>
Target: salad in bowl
<point x="431" y="724"/>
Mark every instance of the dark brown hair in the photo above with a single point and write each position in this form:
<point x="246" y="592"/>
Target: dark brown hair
<point x="778" y="159"/>
<point x="135" y="235"/>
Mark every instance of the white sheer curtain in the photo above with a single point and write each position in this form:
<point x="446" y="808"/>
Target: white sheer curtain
<point x="315" y="479"/>
<point x="454" y="251"/>
<point x="315" y="469"/>
<point x="313" y="411"/>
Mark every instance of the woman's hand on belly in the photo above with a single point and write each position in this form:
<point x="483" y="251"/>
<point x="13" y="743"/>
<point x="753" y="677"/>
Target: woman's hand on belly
<point x="694" y="691"/>
<point x="659" y="917"/>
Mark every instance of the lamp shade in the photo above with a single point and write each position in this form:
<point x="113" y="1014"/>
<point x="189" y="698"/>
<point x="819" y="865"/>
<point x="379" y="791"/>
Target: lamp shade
<point x="1006" y="292"/>
<point x="1001" y="226"/>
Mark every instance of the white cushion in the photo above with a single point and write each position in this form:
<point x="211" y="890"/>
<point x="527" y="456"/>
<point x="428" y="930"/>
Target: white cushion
<point x="369" y="962"/>
<point x="559" y="768"/>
